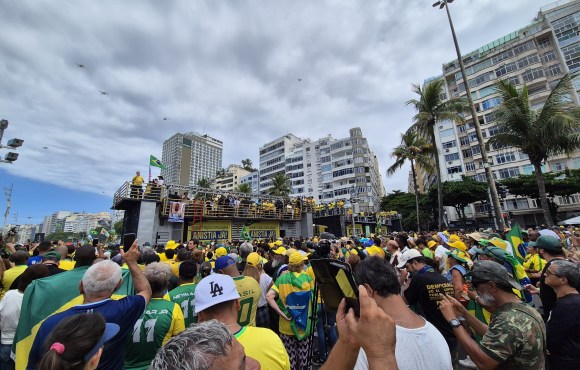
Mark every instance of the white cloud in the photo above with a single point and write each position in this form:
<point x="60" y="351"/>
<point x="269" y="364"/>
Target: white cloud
<point x="228" y="69"/>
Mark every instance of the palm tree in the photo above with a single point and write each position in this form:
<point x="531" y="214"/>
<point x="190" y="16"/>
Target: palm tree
<point x="247" y="164"/>
<point x="280" y="185"/>
<point x="204" y="183"/>
<point x="418" y="151"/>
<point x="539" y="133"/>
<point x="431" y="109"/>
<point x="244" y="188"/>
<point x="222" y="172"/>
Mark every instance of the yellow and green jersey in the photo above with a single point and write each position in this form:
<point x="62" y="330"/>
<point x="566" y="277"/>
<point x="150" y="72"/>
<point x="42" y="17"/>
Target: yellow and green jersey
<point x="160" y="321"/>
<point x="250" y="291"/>
<point x="264" y="346"/>
<point x="534" y="262"/>
<point x="184" y="296"/>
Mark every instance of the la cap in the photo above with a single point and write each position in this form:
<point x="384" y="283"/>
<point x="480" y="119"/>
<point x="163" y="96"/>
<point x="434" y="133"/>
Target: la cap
<point x="214" y="289"/>
<point x="408" y="255"/>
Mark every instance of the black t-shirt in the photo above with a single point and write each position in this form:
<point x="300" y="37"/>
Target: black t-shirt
<point x="547" y="294"/>
<point x="423" y="295"/>
<point x="563" y="333"/>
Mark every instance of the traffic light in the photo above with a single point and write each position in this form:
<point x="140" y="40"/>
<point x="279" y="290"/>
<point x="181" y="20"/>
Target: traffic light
<point x="501" y="189"/>
<point x="510" y="215"/>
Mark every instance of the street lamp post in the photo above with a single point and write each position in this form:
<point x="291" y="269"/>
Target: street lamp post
<point x="490" y="182"/>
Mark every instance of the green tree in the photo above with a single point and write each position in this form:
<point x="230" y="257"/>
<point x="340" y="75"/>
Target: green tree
<point x="460" y="194"/>
<point x="280" y="185"/>
<point x="431" y="109"/>
<point x="416" y="150"/>
<point x="539" y="133"/>
<point x="60" y="235"/>
<point x="204" y="183"/>
<point x="244" y="188"/>
<point x="247" y="164"/>
<point x="118" y="226"/>
<point x="404" y="203"/>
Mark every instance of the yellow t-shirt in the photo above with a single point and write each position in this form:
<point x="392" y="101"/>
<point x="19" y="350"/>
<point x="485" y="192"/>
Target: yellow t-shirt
<point x="250" y="292"/>
<point x="534" y="262"/>
<point x="264" y="346"/>
<point x="9" y="276"/>
<point x="66" y="265"/>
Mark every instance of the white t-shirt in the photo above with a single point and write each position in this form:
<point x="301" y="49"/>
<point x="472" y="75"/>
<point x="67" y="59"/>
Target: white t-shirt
<point x="440" y="252"/>
<point x="265" y="282"/>
<point x="9" y="315"/>
<point x="416" y="349"/>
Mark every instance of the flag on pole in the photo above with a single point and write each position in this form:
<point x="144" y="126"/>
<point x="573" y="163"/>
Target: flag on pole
<point x="515" y="238"/>
<point x="47" y="296"/>
<point x="156" y="162"/>
<point x="244" y="234"/>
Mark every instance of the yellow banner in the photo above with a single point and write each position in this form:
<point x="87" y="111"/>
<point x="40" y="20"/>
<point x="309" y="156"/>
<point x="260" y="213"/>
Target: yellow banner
<point x="264" y="230"/>
<point x="212" y="231"/>
<point x="357" y="227"/>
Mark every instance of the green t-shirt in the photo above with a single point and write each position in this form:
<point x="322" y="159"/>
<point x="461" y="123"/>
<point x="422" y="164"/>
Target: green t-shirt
<point x="161" y="321"/>
<point x="184" y="296"/>
<point x="427" y="253"/>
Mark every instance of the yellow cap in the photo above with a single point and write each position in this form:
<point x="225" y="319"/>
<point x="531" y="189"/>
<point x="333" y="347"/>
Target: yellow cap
<point x="280" y="250"/>
<point x="220" y="252"/>
<point x="254" y="259"/>
<point x="296" y="258"/>
<point x="431" y="244"/>
<point x="458" y="245"/>
<point x="454" y="238"/>
<point x="171" y="244"/>
<point x="374" y="250"/>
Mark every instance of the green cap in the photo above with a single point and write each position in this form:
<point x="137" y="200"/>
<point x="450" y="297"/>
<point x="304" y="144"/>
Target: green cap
<point x="548" y="243"/>
<point x="52" y="256"/>
<point x="496" y="253"/>
<point x="493" y="271"/>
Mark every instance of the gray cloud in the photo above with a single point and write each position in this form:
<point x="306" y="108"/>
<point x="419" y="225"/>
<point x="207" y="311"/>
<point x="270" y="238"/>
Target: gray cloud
<point x="228" y="69"/>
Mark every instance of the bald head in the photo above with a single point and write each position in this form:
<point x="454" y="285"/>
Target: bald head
<point x="534" y="235"/>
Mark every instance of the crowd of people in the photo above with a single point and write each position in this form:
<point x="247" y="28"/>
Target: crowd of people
<point x="425" y="298"/>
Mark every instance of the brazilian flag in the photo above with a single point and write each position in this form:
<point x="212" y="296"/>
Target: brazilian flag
<point x="245" y="234"/>
<point x="156" y="162"/>
<point x="47" y="296"/>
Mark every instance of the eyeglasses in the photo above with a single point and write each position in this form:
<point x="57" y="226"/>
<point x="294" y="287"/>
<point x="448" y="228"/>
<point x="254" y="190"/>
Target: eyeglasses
<point x="548" y="273"/>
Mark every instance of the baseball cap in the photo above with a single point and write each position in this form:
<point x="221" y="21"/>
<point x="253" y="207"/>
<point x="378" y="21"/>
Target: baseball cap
<point x="371" y="251"/>
<point x="461" y="256"/>
<point x="253" y="259"/>
<point x="51" y="256"/>
<point x="187" y="269"/>
<point x="431" y="244"/>
<point x="223" y="262"/>
<point x="279" y="250"/>
<point x="220" y="252"/>
<point x="458" y="244"/>
<point x="296" y="258"/>
<point x="493" y="271"/>
<point x="408" y="255"/>
<point x="548" y="243"/>
<point x="493" y="252"/>
<point x="214" y="289"/>
<point x="110" y="331"/>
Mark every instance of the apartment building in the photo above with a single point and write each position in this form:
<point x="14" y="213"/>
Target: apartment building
<point x="231" y="180"/>
<point x="253" y="178"/>
<point x="537" y="55"/>
<point x="327" y="169"/>
<point x="190" y="157"/>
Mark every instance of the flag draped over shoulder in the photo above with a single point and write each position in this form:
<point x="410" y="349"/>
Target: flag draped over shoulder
<point x="47" y="296"/>
<point x="153" y="161"/>
<point x="515" y="238"/>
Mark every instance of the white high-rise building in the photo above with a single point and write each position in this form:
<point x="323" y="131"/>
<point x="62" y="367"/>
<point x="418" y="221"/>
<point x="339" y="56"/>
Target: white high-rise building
<point x="327" y="169"/>
<point x="253" y="179"/>
<point x="190" y="157"/>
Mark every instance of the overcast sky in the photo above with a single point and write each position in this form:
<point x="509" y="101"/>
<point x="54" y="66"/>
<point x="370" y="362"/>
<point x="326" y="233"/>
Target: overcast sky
<point x="229" y="69"/>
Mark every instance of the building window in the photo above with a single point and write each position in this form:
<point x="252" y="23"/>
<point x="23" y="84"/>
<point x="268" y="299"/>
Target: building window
<point x="553" y="70"/>
<point x="470" y="166"/>
<point x="505" y="157"/>
<point x="449" y="144"/>
<point x="508" y="172"/>
<point x="467" y="153"/>
<point x="480" y="177"/>
<point x="490" y="103"/>
<point x="549" y="56"/>
<point x="462" y="128"/>
<point x="464" y="140"/>
<point x="544" y="43"/>
<point x="451" y="157"/>
<point x="576" y="163"/>
<point x="455" y="169"/>
<point x="476" y="150"/>
<point x="514" y="80"/>
<point x="532" y="74"/>
<point x="446" y="133"/>
<point x="558" y="166"/>
<point x="494" y="130"/>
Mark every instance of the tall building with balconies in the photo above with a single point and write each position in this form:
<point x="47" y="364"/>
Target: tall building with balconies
<point x="190" y="157"/>
<point x="230" y="179"/>
<point x="327" y="169"/>
<point x="537" y="55"/>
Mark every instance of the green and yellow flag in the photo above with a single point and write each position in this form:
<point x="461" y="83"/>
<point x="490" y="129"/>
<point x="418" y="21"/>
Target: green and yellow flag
<point x="245" y="234"/>
<point x="47" y="296"/>
<point x="156" y="162"/>
<point x="515" y="238"/>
